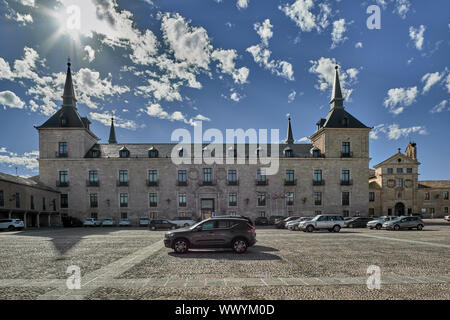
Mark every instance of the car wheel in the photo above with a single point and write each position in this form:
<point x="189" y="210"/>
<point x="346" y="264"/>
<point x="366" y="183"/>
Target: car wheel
<point x="239" y="246"/>
<point x="336" y="228"/>
<point x="396" y="227"/>
<point x="11" y="228"/>
<point x="310" y="229"/>
<point x="180" y="246"/>
<point x="419" y="227"/>
<point x="378" y="226"/>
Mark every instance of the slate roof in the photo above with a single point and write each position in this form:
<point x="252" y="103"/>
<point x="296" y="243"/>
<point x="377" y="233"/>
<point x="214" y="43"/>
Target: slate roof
<point x="29" y="182"/>
<point x="165" y="150"/>
<point x="436" y="184"/>
<point x="336" y="119"/>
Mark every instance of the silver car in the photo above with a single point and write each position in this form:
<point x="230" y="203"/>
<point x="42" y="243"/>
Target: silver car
<point x="11" y="224"/>
<point x="378" y="223"/>
<point x="404" y="223"/>
<point x="108" y="222"/>
<point x="124" y="223"/>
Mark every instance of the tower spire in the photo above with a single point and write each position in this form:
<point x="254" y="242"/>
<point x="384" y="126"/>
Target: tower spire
<point x="69" y="94"/>
<point x="337" y="101"/>
<point x="290" y="136"/>
<point x="112" y="133"/>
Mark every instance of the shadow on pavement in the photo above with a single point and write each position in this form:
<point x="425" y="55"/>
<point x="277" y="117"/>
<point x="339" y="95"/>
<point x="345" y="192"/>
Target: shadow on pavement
<point x="253" y="253"/>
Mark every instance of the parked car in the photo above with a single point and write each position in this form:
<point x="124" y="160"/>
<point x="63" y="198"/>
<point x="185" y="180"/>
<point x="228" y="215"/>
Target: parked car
<point x="11" y="224"/>
<point x="124" y="223"/>
<point x="357" y="222"/>
<point x="144" y="221"/>
<point x="330" y="222"/>
<point x="91" y="222"/>
<point x="108" y="222"/>
<point x="404" y="223"/>
<point x="282" y="223"/>
<point x="447" y="218"/>
<point x="218" y="232"/>
<point x="70" y="222"/>
<point x="378" y="223"/>
<point x="161" y="224"/>
<point x="182" y="222"/>
<point x="275" y="219"/>
<point x="293" y="224"/>
<point x="261" y="221"/>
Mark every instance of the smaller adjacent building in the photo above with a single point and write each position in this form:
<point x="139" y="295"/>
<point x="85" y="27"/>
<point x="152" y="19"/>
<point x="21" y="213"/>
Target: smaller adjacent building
<point x="394" y="188"/>
<point x="29" y="200"/>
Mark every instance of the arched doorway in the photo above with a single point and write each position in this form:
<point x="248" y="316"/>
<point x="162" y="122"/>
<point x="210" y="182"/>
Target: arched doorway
<point x="399" y="209"/>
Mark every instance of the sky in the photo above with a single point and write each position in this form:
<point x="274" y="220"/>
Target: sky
<point x="160" y="65"/>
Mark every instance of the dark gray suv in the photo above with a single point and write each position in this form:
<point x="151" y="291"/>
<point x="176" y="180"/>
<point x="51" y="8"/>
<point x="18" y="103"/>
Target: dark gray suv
<point x="235" y="233"/>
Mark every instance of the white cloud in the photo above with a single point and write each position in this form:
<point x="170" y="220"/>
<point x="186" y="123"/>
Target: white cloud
<point x="264" y="30"/>
<point x="324" y="68"/>
<point x="303" y="139"/>
<point x="442" y="106"/>
<point x="358" y="45"/>
<point x="291" y="96"/>
<point x="90" y="53"/>
<point x="23" y="18"/>
<point x="9" y="99"/>
<point x="155" y="110"/>
<point x="416" y="34"/>
<point x="447" y="82"/>
<point x="105" y="119"/>
<point x="402" y="7"/>
<point x="235" y="97"/>
<point x="226" y="64"/>
<point x="29" y="3"/>
<point x="337" y="35"/>
<point x="301" y="12"/>
<point x="394" y="132"/>
<point x="431" y="79"/>
<point x="242" y="4"/>
<point x="12" y="159"/>
<point x="399" y="98"/>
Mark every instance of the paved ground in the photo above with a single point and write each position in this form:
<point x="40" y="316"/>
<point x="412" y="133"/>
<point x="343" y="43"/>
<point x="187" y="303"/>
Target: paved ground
<point x="133" y="264"/>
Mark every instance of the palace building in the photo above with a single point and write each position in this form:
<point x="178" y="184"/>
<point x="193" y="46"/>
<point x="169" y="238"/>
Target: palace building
<point x="131" y="180"/>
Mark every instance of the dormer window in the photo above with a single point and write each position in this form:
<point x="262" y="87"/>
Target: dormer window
<point x="180" y="152"/>
<point x="231" y="152"/>
<point x="152" y="153"/>
<point x="206" y="152"/>
<point x="259" y="152"/>
<point x="62" y="121"/>
<point x="315" y="152"/>
<point x="95" y="153"/>
<point x="288" y="153"/>
<point x="345" y="122"/>
<point x="124" y="153"/>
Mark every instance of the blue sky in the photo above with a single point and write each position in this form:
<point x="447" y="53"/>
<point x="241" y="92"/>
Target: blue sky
<point x="160" y="65"/>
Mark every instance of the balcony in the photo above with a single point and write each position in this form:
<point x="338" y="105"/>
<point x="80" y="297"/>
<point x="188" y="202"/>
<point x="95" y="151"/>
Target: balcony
<point x="90" y="183"/>
<point x="182" y="183"/>
<point x="207" y="183"/>
<point x="346" y="154"/>
<point x="290" y="203"/>
<point x="232" y="204"/>
<point x="346" y="182"/>
<point x="124" y="205"/>
<point x="182" y="204"/>
<point x="290" y="182"/>
<point x="152" y="183"/>
<point x="233" y="182"/>
<point x="153" y="204"/>
<point x="61" y="155"/>
<point x="122" y="183"/>
<point x="262" y="182"/>
<point x="317" y="202"/>
<point x="318" y="182"/>
<point x="62" y="184"/>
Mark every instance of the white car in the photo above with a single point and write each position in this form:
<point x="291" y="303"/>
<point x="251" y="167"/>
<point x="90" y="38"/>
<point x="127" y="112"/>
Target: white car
<point x="108" y="222"/>
<point x="182" y="222"/>
<point x="293" y="224"/>
<point x="447" y="218"/>
<point x="91" y="222"/>
<point x="144" y="221"/>
<point x="378" y="223"/>
<point x="11" y="224"/>
<point x="124" y="223"/>
<point x="330" y="222"/>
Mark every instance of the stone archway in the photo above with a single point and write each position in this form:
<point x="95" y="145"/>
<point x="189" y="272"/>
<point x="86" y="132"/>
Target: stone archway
<point x="399" y="209"/>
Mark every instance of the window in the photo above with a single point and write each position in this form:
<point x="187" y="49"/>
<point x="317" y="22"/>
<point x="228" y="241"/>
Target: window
<point x="390" y="170"/>
<point x="262" y="213"/>
<point x="182" y="177"/>
<point x="153" y="215"/>
<point x="445" y="195"/>
<point x="427" y="196"/>
<point x="62" y="149"/>
<point x="317" y="177"/>
<point x="93" y="200"/>
<point x="153" y="199"/>
<point x="389" y="212"/>
<point x="446" y="210"/>
<point x="232" y="176"/>
<point x="124" y="153"/>
<point x="317" y="198"/>
<point x="31" y="202"/>
<point x="289" y="198"/>
<point x="153" y="176"/>
<point x="64" y="203"/>
<point x="123" y="177"/>
<point x="182" y="200"/>
<point x="232" y="199"/>
<point x="153" y="153"/>
<point x="371" y="211"/>
<point x="93" y="178"/>
<point x="346" y="149"/>
<point x="431" y="211"/>
<point x="399" y="170"/>
<point x="94" y="215"/>
<point x="409" y="170"/>
<point x="345" y="176"/>
<point x="123" y="215"/>
<point x="400" y="182"/>
<point x="124" y="200"/>
<point x="95" y="153"/>
<point x="371" y="196"/>
<point x="260" y="176"/>
<point x="316" y="153"/>
<point x="345" y="213"/>
<point x="43" y="204"/>
<point x="345" y="198"/>
<point x="409" y="211"/>
<point x="2" y="199"/>
<point x="290" y="176"/>
<point x="261" y="199"/>
<point x="181" y="153"/>
<point x="207" y="175"/>
<point x="288" y="153"/>
<point x="63" y="178"/>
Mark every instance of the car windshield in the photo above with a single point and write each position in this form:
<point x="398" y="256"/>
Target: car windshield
<point x="315" y="218"/>
<point x="195" y="225"/>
